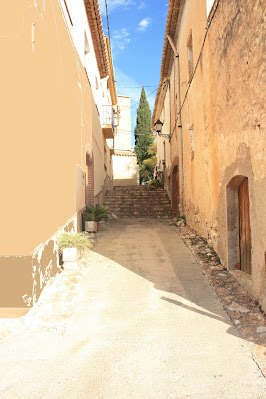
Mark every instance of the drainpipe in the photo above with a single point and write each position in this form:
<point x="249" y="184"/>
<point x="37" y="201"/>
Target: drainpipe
<point x="180" y="135"/>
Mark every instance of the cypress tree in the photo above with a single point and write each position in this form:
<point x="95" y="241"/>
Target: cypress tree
<point x="144" y="140"/>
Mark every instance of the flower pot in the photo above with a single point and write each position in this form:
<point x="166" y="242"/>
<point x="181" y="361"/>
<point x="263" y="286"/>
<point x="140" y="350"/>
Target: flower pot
<point x="71" y="254"/>
<point x="91" y="226"/>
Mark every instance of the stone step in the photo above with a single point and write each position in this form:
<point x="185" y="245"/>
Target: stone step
<point x="135" y="199"/>
<point x="138" y="201"/>
<point x="139" y="193"/>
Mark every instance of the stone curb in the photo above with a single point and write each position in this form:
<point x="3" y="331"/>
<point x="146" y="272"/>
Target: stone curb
<point x="244" y="312"/>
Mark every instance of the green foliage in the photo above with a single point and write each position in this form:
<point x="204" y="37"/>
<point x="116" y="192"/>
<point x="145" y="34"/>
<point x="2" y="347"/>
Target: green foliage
<point x="150" y="163"/>
<point x="153" y="149"/>
<point x="155" y="183"/>
<point x="147" y="167"/>
<point x="73" y="240"/>
<point x="143" y="134"/>
<point x="96" y="213"/>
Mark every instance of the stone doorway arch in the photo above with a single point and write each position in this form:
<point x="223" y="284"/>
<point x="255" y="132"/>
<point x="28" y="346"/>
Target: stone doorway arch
<point x="175" y="188"/>
<point x="238" y="224"/>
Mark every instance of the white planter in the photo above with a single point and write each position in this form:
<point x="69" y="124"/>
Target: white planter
<point x="91" y="226"/>
<point x="71" y="254"/>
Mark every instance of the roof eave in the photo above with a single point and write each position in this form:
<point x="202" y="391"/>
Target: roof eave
<point x="95" y="22"/>
<point x="170" y="29"/>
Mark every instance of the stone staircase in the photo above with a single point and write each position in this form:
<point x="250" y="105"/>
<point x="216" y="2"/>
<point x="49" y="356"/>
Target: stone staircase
<point x="138" y="201"/>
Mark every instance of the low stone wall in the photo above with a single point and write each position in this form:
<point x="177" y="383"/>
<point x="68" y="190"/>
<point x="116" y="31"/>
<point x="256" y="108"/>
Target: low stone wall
<point x="15" y="280"/>
<point x="245" y="312"/>
<point x="22" y="278"/>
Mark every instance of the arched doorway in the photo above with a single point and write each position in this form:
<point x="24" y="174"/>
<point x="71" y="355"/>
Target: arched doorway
<point x="238" y="224"/>
<point x="175" y="189"/>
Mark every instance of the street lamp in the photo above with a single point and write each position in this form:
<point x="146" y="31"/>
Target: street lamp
<point x="158" y="128"/>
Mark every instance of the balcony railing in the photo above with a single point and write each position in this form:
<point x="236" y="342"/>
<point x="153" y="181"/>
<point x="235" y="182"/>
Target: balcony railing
<point x="108" y="116"/>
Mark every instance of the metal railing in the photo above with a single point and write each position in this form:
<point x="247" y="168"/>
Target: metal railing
<point x="108" y="116"/>
<point x="107" y="185"/>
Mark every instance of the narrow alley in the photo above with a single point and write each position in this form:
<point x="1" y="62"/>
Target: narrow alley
<point x="144" y="323"/>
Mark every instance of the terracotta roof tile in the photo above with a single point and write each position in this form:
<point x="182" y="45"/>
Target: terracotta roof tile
<point x="171" y="23"/>
<point x="95" y="22"/>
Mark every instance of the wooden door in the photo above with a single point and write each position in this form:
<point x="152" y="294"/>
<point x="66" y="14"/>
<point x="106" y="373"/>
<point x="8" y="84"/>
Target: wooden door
<point x="244" y="227"/>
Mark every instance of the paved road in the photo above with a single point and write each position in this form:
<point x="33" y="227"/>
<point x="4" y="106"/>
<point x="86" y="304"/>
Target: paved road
<point x="144" y="323"/>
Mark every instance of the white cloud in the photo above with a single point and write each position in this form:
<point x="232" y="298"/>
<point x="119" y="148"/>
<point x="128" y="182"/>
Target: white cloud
<point x="142" y="5"/>
<point x="112" y="4"/>
<point x="144" y="23"/>
<point x="120" y="39"/>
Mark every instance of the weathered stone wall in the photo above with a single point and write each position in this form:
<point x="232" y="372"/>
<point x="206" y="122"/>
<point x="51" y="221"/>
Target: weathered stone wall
<point x="237" y="57"/>
<point x="197" y="147"/>
<point x="223" y="122"/>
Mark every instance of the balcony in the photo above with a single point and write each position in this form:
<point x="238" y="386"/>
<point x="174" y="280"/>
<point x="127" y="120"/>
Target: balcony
<point x="108" y="125"/>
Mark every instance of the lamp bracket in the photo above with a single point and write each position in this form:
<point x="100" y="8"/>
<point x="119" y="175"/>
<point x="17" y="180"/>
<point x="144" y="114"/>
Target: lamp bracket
<point x="167" y="136"/>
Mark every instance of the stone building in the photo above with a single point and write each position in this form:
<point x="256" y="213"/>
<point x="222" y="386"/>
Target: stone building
<point x="57" y="97"/>
<point x="211" y="101"/>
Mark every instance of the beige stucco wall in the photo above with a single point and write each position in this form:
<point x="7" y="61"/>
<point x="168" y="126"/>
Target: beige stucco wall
<point x="47" y="118"/>
<point x="164" y="145"/>
<point x="44" y="130"/>
<point x="224" y="113"/>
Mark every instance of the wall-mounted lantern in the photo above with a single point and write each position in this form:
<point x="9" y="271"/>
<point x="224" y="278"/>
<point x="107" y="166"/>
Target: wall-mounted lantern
<point x="158" y="128"/>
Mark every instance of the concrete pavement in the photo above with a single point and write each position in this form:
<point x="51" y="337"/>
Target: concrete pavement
<point x="142" y="322"/>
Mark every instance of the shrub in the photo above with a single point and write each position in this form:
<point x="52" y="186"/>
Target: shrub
<point x="155" y="183"/>
<point x="96" y="213"/>
<point x="73" y="240"/>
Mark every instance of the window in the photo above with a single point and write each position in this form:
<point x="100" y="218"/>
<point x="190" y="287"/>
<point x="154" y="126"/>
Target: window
<point x="190" y="55"/>
<point x="86" y="46"/>
<point x="96" y="83"/>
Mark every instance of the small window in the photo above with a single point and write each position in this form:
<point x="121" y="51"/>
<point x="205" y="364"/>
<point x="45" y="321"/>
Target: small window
<point x="190" y="56"/>
<point x="96" y="83"/>
<point x="86" y="47"/>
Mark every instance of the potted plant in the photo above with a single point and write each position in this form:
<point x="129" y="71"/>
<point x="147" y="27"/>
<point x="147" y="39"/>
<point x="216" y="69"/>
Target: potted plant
<point x="93" y="215"/>
<point x="71" y="244"/>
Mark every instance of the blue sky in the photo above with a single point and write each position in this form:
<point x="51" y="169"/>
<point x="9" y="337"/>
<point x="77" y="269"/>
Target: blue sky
<point x="137" y="30"/>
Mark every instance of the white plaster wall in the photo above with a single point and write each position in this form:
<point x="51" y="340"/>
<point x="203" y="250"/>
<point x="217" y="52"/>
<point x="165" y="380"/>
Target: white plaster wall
<point x="81" y="26"/>
<point x="123" y="136"/>
<point x="126" y="170"/>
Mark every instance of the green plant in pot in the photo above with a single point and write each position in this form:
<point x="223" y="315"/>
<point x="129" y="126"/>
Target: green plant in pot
<point x="71" y="245"/>
<point x="93" y="215"/>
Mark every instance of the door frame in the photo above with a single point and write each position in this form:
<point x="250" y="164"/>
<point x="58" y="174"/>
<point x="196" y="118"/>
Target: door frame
<point x="233" y="223"/>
